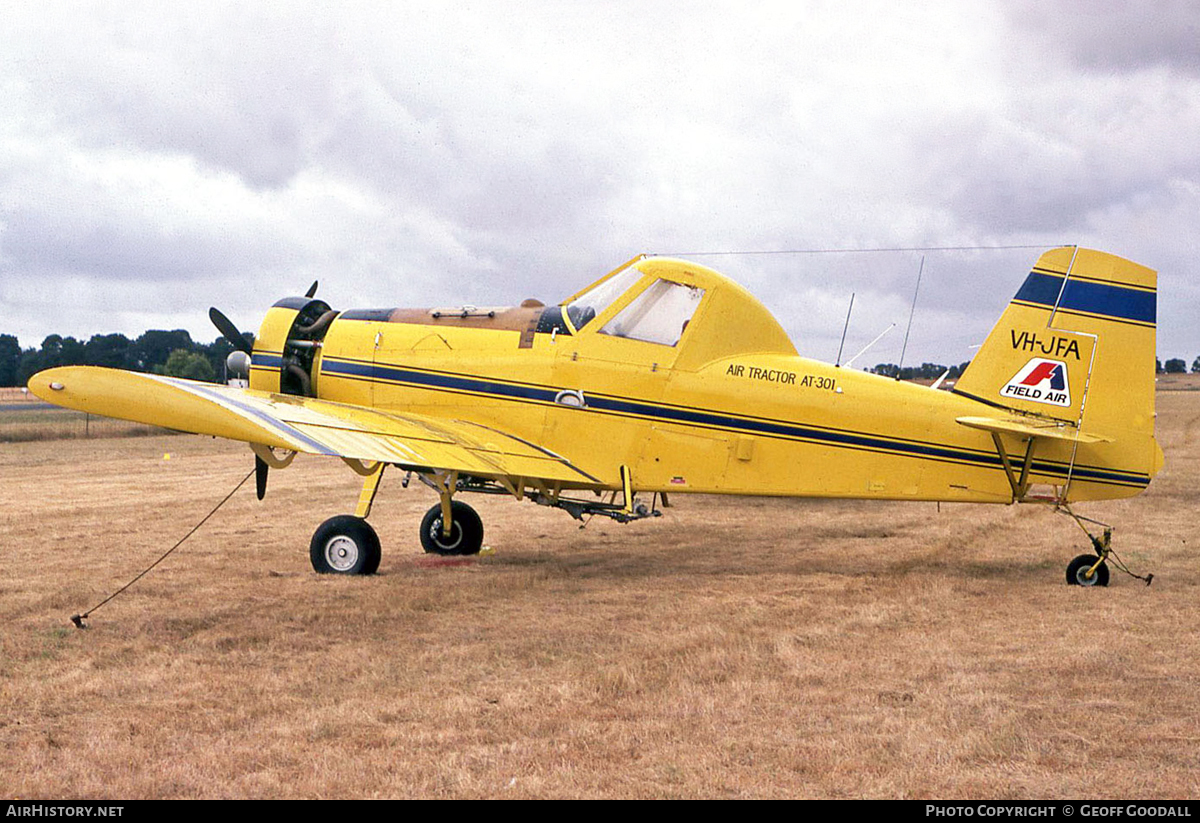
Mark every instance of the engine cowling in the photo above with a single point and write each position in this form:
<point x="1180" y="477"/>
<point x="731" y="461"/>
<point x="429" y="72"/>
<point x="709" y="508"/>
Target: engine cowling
<point x="288" y="346"/>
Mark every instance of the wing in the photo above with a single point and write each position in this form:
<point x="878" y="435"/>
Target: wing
<point x="303" y="424"/>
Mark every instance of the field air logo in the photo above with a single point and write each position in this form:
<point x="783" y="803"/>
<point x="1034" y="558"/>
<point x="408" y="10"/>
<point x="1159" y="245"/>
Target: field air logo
<point x="1042" y="381"/>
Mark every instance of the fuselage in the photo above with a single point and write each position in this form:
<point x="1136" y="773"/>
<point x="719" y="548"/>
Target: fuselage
<point x="664" y="376"/>
<point x="755" y="422"/>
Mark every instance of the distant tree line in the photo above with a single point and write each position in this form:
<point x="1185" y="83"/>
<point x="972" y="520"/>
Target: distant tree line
<point x="155" y="351"/>
<point x="932" y="371"/>
<point x="176" y="354"/>
<point x="1177" y="365"/>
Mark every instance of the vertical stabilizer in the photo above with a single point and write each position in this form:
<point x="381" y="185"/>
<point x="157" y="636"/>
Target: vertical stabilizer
<point x="1077" y="343"/>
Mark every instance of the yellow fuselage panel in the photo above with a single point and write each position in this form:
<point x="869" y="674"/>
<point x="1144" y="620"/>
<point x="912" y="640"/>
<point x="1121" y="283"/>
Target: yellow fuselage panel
<point x="751" y="424"/>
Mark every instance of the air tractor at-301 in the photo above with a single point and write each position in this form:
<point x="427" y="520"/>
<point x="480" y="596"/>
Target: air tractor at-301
<point x="664" y="377"/>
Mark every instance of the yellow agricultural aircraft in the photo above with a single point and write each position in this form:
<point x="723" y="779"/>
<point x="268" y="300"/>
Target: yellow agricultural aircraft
<point x="665" y="377"/>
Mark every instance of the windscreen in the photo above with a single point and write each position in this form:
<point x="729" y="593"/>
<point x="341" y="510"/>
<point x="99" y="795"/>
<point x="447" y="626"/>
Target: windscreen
<point x="658" y="315"/>
<point x="584" y="308"/>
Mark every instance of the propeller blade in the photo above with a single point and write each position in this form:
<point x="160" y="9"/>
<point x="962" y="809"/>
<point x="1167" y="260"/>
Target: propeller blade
<point x="260" y="477"/>
<point x="230" y="331"/>
<point x="312" y="290"/>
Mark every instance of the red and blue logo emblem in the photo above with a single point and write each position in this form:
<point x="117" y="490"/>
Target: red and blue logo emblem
<point x="1042" y="381"/>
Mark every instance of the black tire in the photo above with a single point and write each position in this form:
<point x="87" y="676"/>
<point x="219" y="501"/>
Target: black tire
<point x="345" y="544"/>
<point x="1078" y="568"/>
<point x="466" y="531"/>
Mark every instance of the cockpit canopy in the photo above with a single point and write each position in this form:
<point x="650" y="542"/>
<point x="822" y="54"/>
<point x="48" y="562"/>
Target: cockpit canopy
<point x="680" y="304"/>
<point x="658" y="314"/>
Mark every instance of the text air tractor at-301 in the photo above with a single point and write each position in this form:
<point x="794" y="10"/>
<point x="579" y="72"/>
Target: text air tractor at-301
<point x="665" y="377"/>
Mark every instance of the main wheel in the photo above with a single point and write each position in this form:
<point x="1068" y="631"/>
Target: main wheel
<point x="345" y="544"/>
<point x="1077" y="572"/>
<point x="466" y="530"/>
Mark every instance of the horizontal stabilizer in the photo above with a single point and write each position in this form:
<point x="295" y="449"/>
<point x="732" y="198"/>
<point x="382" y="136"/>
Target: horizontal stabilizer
<point x="1032" y="427"/>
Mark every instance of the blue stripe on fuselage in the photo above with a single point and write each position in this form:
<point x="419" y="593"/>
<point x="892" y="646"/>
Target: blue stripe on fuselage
<point x="625" y="406"/>
<point x="263" y="360"/>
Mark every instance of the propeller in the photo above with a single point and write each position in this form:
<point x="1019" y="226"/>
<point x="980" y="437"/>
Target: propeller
<point x="230" y="331"/>
<point x="312" y="290"/>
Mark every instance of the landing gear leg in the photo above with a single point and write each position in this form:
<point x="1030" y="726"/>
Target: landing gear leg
<point x="450" y="527"/>
<point x="465" y="529"/>
<point x="1092" y="569"/>
<point x="346" y="544"/>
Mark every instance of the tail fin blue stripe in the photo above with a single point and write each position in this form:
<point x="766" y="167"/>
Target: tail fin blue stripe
<point x="1105" y="299"/>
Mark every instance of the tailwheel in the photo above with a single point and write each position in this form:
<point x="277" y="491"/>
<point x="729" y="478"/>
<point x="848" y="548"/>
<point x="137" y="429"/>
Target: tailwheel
<point x="1092" y="569"/>
<point x="466" y="531"/>
<point x="345" y="544"/>
<point x="1080" y="571"/>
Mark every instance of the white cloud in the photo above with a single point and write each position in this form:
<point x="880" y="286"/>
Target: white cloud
<point x="155" y="160"/>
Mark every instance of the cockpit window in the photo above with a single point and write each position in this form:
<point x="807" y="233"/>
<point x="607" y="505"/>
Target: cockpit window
<point x="584" y="308"/>
<point x="657" y="315"/>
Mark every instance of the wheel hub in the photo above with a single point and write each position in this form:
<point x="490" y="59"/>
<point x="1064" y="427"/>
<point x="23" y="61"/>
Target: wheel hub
<point x="456" y="534"/>
<point x="341" y="553"/>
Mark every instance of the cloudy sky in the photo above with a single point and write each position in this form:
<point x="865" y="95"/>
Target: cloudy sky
<point x="156" y="160"/>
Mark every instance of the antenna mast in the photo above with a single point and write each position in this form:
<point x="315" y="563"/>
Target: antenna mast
<point x="838" y="362"/>
<point x="912" y="310"/>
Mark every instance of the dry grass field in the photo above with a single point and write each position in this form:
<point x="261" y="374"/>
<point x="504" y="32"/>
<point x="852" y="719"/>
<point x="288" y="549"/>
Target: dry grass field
<point x="23" y="417"/>
<point x="19" y="423"/>
<point x="733" y="648"/>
